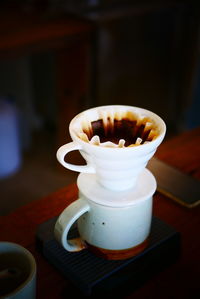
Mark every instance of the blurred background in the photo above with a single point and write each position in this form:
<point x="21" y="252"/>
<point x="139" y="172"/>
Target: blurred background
<point x="61" y="57"/>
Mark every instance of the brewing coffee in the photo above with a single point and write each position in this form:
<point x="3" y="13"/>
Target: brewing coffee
<point x="129" y="127"/>
<point x="116" y="142"/>
<point x="122" y="129"/>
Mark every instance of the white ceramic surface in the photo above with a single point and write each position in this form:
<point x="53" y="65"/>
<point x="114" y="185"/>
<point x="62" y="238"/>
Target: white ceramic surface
<point x="105" y="222"/>
<point x="115" y="168"/>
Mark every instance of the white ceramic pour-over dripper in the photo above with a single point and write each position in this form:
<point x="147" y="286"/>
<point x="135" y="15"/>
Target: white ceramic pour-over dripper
<point x="116" y="168"/>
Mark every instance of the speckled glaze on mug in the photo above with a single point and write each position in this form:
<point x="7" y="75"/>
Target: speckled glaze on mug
<point x="115" y="225"/>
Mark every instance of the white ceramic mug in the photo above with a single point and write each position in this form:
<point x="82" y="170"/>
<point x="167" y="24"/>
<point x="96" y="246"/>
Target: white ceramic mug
<point x="17" y="272"/>
<point x="116" y="167"/>
<point x="115" y="224"/>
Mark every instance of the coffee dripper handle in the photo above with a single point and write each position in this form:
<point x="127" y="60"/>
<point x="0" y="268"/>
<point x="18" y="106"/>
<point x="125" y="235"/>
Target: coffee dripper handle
<point x="64" y="150"/>
<point x="65" y="222"/>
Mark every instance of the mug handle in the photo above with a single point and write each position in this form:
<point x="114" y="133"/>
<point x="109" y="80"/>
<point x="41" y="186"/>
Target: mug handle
<point x="69" y="147"/>
<point x="65" y="221"/>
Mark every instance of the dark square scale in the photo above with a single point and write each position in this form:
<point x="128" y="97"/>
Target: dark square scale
<point x="94" y="275"/>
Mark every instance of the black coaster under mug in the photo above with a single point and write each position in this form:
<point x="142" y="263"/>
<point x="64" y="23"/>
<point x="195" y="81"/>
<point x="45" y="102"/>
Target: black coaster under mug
<point x="94" y="275"/>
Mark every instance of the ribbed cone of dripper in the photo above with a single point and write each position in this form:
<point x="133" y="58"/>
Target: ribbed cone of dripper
<point x="117" y="142"/>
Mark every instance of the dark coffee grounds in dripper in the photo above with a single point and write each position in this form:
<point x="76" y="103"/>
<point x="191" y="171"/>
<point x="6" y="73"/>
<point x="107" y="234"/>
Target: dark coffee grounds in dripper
<point x="129" y="128"/>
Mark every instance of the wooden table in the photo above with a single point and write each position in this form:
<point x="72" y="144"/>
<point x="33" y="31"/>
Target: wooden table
<point x="180" y="280"/>
<point x="69" y="38"/>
